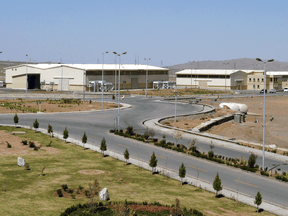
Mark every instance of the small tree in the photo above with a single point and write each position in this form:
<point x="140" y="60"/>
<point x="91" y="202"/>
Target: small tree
<point x="36" y="125"/>
<point x="177" y="135"/>
<point x="153" y="162"/>
<point x="130" y="130"/>
<point x="84" y="138"/>
<point x="126" y="155"/>
<point x="217" y="184"/>
<point x="16" y="119"/>
<point x="252" y="160"/>
<point x="193" y="145"/>
<point x="103" y="146"/>
<point x="65" y="134"/>
<point x="182" y="171"/>
<point x="177" y="210"/>
<point x="94" y="189"/>
<point x="50" y="130"/>
<point x="149" y="133"/>
<point x="258" y="200"/>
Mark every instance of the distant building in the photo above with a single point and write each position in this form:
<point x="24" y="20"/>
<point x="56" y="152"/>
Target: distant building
<point x="72" y="77"/>
<point x="231" y="79"/>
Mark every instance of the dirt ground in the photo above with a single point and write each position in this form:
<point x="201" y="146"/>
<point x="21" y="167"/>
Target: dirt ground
<point x="276" y="120"/>
<point x="18" y="148"/>
<point x="49" y="107"/>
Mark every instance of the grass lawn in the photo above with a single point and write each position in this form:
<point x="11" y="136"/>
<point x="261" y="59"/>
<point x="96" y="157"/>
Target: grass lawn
<point x="28" y="193"/>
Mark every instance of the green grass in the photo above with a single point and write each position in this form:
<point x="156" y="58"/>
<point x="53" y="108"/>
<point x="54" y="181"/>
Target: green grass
<point x="27" y="193"/>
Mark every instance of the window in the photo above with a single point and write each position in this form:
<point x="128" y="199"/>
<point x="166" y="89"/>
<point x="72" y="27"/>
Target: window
<point x="258" y="87"/>
<point x="253" y="79"/>
<point x="253" y="86"/>
<point x="262" y="79"/>
<point x="271" y="80"/>
<point x="249" y="79"/>
<point x="258" y="80"/>
<point x="275" y="79"/>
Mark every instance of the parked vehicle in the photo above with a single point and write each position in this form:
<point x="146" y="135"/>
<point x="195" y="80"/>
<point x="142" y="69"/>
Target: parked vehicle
<point x="262" y="91"/>
<point x="272" y="91"/>
<point x="286" y="89"/>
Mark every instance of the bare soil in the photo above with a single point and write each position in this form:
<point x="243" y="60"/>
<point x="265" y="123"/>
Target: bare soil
<point x="49" y="107"/>
<point x="19" y="149"/>
<point x="276" y="121"/>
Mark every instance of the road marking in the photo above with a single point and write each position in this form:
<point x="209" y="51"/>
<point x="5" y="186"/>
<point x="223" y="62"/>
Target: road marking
<point x="95" y="137"/>
<point x="246" y="183"/>
<point x="197" y="168"/>
<point x="158" y="156"/>
<point x="124" y="146"/>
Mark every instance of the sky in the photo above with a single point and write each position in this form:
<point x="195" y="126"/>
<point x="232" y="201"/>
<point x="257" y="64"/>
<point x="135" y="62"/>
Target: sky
<point x="167" y="31"/>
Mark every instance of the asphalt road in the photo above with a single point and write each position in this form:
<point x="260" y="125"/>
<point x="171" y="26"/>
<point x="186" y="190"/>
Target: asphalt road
<point x="97" y="125"/>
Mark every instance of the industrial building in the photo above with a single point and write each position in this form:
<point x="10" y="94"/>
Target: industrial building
<point x="72" y="77"/>
<point x="231" y="79"/>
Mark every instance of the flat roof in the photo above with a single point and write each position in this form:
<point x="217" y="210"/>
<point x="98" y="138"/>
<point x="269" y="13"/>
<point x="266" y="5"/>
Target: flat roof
<point x="88" y="67"/>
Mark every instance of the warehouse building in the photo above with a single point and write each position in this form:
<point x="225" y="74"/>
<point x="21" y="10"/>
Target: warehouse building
<point x="72" y="77"/>
<point x="231" y="79"/>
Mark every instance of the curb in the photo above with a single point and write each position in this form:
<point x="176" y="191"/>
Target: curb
<point x="228" y="193"/>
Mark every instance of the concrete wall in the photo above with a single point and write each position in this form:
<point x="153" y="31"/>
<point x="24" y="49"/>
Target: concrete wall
<point x="211" y="83"/>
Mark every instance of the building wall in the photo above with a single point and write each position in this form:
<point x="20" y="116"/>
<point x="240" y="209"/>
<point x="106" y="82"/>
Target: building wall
<point x="211" y="82"/>
<point x="19" y="82"/>
<point x="239" y="85"/>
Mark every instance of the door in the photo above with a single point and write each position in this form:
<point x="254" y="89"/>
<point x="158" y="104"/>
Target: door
<point x="64" y="84"/>
<point x="134" y="83"/>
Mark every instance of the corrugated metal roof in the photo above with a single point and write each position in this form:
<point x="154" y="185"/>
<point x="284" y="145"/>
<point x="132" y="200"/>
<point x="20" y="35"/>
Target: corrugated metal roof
<point x="98" y="66"/>
<point x="277" y="73"/>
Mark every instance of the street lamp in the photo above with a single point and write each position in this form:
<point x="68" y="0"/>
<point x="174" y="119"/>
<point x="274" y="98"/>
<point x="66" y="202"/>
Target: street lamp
<point x="84" y="73"/>
<point x="26" y="74"/>
<point x="147" y="75"/>
<point x="225" y="64"/>
<point x="175" y="107"/>
<point x="271" y="60"/>
<point x="102" y="84"/>
<point x="119" y="87"/>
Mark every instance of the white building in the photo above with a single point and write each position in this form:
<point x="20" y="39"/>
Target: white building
<point x="70" y="77"/>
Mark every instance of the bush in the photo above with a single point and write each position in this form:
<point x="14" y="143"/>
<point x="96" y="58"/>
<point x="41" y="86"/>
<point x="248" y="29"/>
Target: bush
<point x="8" y="145"/>
<point x="252" y="160"/>
<point x="210" y="154"/>
<point x="59" y="192"/>
<point x="264" y="173"/>
<point x="64" y="186"/>
<point x="31" y="144"/>
<point x="130" y="131"/>
<point x="72" y="196"/>
<point x="24" y="142"/>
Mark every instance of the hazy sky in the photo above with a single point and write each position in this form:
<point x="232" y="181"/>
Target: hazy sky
<point x="172" y="31"/>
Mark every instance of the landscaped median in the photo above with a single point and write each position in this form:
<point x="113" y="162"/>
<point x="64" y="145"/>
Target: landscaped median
<point x="33" y="191"/>
<point x="242" y="163"/>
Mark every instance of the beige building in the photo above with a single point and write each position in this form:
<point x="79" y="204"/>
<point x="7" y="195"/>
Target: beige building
<point x="274" y="80"/>
<point x="72" y="77"/>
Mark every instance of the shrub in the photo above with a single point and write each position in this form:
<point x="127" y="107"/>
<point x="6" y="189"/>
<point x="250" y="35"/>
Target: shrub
<point x="264" y="173"/>
<point x="252" y="160"/>
<point x="70" y="191"/>
<point x="129" y="130"/>
<point x="210" y="154"/>
<point x="87" y="193"/>
<point x="80" y="187"/>
<point x="31" y="144"/>
<point x="8" y="145"/>
<point x="35" y="148"/>
<point x="72" y="196"/>
<point x="24" y="142"/>
<point x="59" y="192"/>
<point x="64" y="186"/>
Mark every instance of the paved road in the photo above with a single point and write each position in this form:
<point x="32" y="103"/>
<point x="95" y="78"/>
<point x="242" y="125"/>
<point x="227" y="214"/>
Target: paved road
<point x="97" y="125"/>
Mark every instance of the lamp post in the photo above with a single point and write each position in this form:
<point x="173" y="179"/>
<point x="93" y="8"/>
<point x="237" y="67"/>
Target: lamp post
<point x="84" y="73"/>
<point x="271" y="60"/>
<point x="118" y="128"/>
<point x="115" y="75"/>
<point x="175" y="107"/>
<point x="146" y="75"/>
<point x="102" y="84"/>
<point x="26" y="74"/>
<point x="225" y="64"/>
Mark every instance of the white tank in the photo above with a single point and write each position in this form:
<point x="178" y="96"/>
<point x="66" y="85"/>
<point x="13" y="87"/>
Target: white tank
<point x="235" y="107"/>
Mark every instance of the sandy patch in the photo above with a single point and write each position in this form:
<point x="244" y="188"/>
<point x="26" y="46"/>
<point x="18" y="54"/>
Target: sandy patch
<point x="27" y="106"/>
<point x="276" y="121"/>
<point x="91" y="172"/>
<point x="19" y="149"/>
